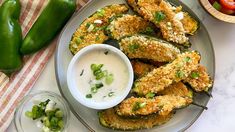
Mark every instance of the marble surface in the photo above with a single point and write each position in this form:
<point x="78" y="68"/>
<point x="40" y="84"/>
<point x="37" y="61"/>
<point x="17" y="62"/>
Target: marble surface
<point x="220" y="115"/>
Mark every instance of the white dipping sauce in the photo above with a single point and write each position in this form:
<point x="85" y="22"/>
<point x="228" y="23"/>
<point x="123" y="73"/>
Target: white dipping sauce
<point x="112" y="63"/>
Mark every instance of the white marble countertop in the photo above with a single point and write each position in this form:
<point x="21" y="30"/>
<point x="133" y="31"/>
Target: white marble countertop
<point x="220" y="115"/>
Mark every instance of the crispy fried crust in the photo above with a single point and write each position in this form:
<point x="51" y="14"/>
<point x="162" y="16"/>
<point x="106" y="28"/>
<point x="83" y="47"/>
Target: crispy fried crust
<point x="177" y="89"/>
<point x="162" y="105"/>
<point x="162" y="77"/>
<point x="201" y="83"/>
<point x="128" y="25"/>
<point x="140" y="68"/>
<point x="144" y="47"/>
<point x="172" y="29"/>
<point x="91" y="32"/>
<point x="109" y="118"/>
<point x="190" y="24"/>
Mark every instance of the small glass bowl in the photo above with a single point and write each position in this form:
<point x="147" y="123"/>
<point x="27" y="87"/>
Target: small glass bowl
<point x="25" y="124"/>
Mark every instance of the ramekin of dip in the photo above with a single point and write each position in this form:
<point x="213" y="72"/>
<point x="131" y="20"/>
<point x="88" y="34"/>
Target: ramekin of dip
<point x="100" y="76"/>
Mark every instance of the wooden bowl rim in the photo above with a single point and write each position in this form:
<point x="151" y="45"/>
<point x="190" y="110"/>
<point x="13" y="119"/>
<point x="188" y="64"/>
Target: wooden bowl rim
<point x="215" y="13"/>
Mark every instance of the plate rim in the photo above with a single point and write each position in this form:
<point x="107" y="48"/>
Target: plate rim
<point x="70" y="105"/>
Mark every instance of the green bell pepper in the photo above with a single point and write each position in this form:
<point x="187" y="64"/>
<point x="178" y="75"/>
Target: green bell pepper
<point x="50" y="22"/>
<point x="10" y="37"/>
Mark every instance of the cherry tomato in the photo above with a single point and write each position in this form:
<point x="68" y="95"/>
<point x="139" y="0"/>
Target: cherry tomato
<point x="228" y="4"/>
<point x="227" y="11"/>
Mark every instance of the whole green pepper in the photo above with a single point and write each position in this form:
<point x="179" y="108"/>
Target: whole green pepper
<point x="49" y="23"/>
<point x="10" y="37"/>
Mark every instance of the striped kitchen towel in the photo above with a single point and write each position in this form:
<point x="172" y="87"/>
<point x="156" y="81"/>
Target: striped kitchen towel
<point x="14" y="89"/>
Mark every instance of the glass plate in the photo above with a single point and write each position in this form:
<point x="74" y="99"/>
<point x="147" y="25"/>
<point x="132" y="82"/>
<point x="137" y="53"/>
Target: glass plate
<point x="181" y="120"/>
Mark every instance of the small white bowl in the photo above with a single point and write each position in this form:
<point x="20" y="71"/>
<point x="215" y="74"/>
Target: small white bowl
<point x="74" y="88"/>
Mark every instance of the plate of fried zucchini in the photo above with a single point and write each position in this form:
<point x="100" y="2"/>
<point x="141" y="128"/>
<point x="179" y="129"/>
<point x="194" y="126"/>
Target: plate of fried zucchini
<point x="171" y="54"/>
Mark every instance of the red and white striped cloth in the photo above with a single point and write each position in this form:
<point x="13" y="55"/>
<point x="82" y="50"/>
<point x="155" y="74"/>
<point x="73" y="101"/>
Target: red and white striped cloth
<point x="14" y="89"/>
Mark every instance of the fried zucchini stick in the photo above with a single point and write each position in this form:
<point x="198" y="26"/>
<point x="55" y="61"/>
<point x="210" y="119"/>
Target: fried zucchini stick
<point x="161" y="14"/>
<point x="161" y="105"/>
<point x="128" y="25"/>
<point x="144" y="47"/>
<point x="164" y="76"/>
<point x="199" y="79"/>
<point x="109" y="118"/>
<point x="92" y="30"/>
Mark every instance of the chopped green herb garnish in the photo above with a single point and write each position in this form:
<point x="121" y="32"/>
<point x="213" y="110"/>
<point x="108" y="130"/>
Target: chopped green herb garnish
<point x="109" y="79"/>
<point x="195" y="75"/>
<point x="179" y="74"/>
<point x="88" y="25"/>
<point x="148" y="30"/>
<point x="159" y="16"/>
<point x="94" y="90"/>
<point x="111" y="94"/>
<point x="101" y="12"/>
<point x="150" y="95"/>
<point x="97" y="38"/>
<point x="99" y="85"/>
<point x="59" y="113"/>
<point x="217" y="5"/>
<point x="138" y="105"/>
<point x="106" y="52"/>
<point x="79" y="40"/>
<point x="133" y="47"/>
<point x="100" y="76"/>
<point x="29" y="114"/>
<point x="82" y="72"/>
<point x="187" y="59"/>
<point x="61" y="124"/>
<point x="89" y="96"/>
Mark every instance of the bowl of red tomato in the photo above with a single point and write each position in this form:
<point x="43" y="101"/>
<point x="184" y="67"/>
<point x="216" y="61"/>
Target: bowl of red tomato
<point x="221" y="9"/>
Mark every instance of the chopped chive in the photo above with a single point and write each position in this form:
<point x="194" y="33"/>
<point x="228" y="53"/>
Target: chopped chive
<point x="79" y="40"/>
<point x="111" y="94"/>
<point x="82" y="72"/>
<point x="97" y="38"/>
<point x="217" y="6"/>
<point x="187" y="59"/>
<point x="99" y="85"/>
<point x="101" y="12"/>
<point x="195" y="75"/>
<point x="133" y="47"/>
<point x="179" y="74"/>
<point x="159" y="16"/>
<point x="141" y="105"/>
<point x="88" y="25"/>
<point x="89" y="96"/>
<point x="94" y="90"/>
<point x="106" y="52"/>
<point x="109" y="79"/>
<point x="99" y="76"/>
<point x="150" y="95"/>
<point x="29" y="114"/>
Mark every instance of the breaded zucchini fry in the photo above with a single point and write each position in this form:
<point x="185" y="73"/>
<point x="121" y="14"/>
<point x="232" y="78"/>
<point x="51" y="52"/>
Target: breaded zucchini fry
<point x="91" y="31"/>
<point x="128" y="25"/>
<point x="177" y="89"/>
<point x="144" y="47"/>
<point x="199" y="79"/>
<point x="109" y="118"/>
<point x="161" y="13"/>
<point x="190" y="24"/>
<point x="164" y="76"/>
<point x="162" y="105"/>
<point x="140" y="68"/>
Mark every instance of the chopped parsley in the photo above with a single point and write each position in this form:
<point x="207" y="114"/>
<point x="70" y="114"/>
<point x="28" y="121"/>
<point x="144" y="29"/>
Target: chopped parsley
<point x="194" y="75"/>
<point x="88" y="25"/>
<point x="133" y="47"/>
<point x="159" y="16"/>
